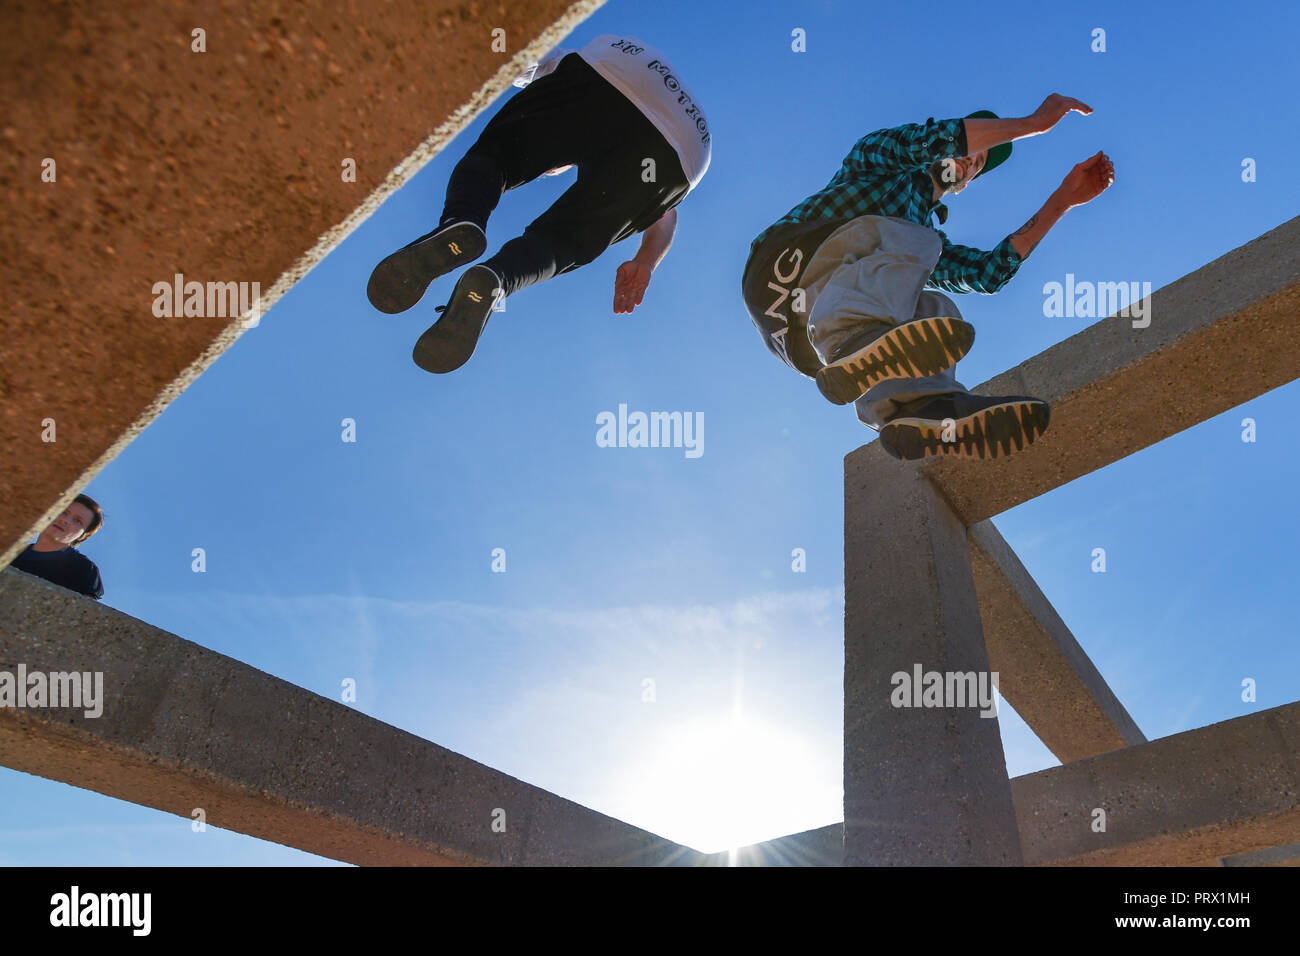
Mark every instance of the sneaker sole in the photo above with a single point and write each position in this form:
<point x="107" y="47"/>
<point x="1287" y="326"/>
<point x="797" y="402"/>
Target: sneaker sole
<point x="915" y="350"/>
<point x="448" y="343"/>
<point x="993" y="432"/>
<point x="400" y="281"/>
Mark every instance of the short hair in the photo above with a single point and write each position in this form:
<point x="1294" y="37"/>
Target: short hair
<point x="97" y="519"/>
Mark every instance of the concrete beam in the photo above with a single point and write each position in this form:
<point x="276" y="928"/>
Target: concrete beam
<point x="224" y="166"/>
<point x="1217" y="792"/>
<point x="1175" y="801"/>
<point x="1044" y="673"/>
<point x="922" y="785"/>
<point x="1218" y="337"/>
<point x="821" y="847"/>
<point x="1288" y="855"/>
<point x="184" y="727"/>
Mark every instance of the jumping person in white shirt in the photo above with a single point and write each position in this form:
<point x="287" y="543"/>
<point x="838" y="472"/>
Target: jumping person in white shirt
<point x="619" y="112"/>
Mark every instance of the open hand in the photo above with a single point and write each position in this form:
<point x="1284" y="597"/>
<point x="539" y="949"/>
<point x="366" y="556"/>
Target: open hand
<point x="629" y="285"/>
<point x="1088" y="180"/>
<point x="1054" y="108"/>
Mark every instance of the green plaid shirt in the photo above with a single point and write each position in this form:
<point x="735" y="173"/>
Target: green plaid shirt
<point x="886" y="174"/>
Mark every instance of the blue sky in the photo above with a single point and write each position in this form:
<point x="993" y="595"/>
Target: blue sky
<point x="372" y="560"/>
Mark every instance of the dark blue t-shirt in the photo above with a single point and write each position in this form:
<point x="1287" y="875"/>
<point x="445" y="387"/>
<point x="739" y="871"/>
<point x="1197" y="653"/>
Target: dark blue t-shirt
<point x="68" y="568"/>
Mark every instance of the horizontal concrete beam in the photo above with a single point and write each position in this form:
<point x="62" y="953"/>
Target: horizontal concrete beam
<point x="1218" y="337"/>
<point x="223" y="157"/>
<point x="1043" y="672"/>
<point x="821" y="847"/>
<point x="1216" y="792"/>
<point x="184" y="727"/>
<point x="1174" y="801"/>
<point x="1288" y="855"/>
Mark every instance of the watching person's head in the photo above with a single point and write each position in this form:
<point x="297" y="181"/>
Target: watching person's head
<point x="81" y="519"/>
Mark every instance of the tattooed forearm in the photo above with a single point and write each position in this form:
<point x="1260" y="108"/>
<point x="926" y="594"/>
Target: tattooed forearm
<point x="1027" y="226"/>
<point x="1025" y="230"/>
<point x="1026" y="239"/>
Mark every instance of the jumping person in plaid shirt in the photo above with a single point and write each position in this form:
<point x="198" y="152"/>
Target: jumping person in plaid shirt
<point x="848" y="286"/>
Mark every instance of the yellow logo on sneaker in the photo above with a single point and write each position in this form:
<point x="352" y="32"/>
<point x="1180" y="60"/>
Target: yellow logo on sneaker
<point x="476" y="297"/>
<point x="454" y="248"/>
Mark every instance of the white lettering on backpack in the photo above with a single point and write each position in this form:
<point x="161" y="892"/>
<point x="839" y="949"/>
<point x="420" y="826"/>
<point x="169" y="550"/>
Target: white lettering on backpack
<point x="778" y="337"/>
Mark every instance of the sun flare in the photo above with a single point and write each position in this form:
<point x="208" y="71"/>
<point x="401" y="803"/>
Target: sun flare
<point x="719" y="784"/>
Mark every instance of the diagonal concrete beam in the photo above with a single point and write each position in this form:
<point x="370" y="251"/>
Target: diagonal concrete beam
<point x="1288" y="855"/>
<point x="1043" y="672"/>
<point x="225" y="164"/>
<point x="821" y="847"/>
<point x="1217" y="792"/>
<point x="1218" y="337"/>
<point x="184" y="727"/>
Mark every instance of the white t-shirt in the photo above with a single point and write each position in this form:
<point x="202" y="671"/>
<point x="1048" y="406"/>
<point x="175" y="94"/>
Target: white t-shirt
<point x="644" y="76"/>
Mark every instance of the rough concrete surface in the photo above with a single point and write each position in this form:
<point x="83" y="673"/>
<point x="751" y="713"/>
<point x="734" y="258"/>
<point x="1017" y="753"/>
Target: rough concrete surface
<point x="1045" y="674"/>
<point x="223" y="166"/>
<point x="1288" y="855"/>
<point x="923" y="786"/>
<point x="1218" y="337"/>
<point x="1219" y="791"/>
<point x="185" y="728"/>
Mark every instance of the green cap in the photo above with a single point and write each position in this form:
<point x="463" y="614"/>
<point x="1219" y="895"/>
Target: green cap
<point x="997" y="154"/>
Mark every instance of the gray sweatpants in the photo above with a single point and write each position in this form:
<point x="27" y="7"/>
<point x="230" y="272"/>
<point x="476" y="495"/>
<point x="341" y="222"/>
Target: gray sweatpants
<point x="870" y="273"/>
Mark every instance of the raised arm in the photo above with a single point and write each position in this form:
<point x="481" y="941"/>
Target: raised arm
<point x="966" y="269"/>
<point x="987" y="133"/>
<point x="1084" y="183"/>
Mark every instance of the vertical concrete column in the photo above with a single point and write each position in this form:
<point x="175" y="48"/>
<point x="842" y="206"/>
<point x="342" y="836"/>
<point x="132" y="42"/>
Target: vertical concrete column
<point x="923" y="785"/>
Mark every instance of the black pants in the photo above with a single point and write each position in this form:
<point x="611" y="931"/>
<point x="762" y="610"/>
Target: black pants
<point x="771" y="288"/>
<point x="571" y="116"/>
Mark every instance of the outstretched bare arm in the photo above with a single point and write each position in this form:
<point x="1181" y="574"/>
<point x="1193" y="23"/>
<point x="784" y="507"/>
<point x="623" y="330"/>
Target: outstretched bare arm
<point x="1088" y="180"/>
<point x="987" y="133"/>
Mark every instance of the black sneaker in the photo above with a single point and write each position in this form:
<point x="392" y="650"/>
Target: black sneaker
<point x="965" y="425"/>
<point x="449" y="342"/>
<point x="915" y="349"/>
<point x="401" y="279"/>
